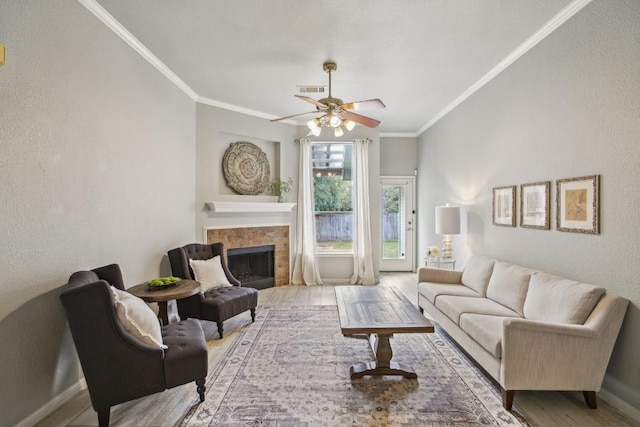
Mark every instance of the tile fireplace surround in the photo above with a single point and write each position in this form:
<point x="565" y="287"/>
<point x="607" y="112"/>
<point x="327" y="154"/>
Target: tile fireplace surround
<point x="245" y="237"/>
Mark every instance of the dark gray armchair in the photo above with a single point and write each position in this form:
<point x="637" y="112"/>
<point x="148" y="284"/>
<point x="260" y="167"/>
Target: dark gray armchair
<point x="218" y="304"/>
<point x="117" y="366"/>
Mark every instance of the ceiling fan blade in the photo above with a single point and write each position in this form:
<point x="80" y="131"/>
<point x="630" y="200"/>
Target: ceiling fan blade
<point x="312" y="101"/>
<point x="295" y="115"/>
<point x="369" y="104"/>
<point x="369" y="122"/>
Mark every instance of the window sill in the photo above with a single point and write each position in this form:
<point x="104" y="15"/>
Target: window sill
<point x="334" y="254"/>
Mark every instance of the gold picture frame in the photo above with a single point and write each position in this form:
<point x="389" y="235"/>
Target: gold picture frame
<point x="578" y="204"/>
<point x="534" y="205"/>
<point x="504" y="206"/>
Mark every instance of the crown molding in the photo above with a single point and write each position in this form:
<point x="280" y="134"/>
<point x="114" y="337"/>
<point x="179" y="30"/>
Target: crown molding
<point x="397" y="135"/>
<point x="124" y="34"/>
<point x="561" y="17"/>
<point x="231" y="107"/>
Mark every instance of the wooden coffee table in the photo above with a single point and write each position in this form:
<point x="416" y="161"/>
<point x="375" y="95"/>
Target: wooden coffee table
<point x="379" y="311"/>
<point x="183" y="289"/>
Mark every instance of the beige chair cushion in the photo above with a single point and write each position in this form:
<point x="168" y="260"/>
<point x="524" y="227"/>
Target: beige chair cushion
<point x="137" y="318"/>
<point x="453" y="307"/>
<point x="555" y="299"/>
<point x="508" y="285"/>
<point x="485" y="330"/>
<point x="477" y="272"/>
<point x="209" y="273"/>
<point x="432" y="290"/>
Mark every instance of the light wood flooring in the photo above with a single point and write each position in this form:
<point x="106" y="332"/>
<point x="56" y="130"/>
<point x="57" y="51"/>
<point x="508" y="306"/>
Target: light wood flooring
<point x="543" y="409"/>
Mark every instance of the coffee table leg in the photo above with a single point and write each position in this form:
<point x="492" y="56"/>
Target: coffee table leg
<point x="382" y="349"/>
<point x="162" y="313"/>
<point x="383" y="365"/>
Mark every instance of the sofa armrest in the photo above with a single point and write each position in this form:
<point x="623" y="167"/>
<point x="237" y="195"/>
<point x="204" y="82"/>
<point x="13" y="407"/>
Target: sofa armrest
<point x="552" y="356"/>
<point x="437" y="275"/>
<point x="518" y="326"/>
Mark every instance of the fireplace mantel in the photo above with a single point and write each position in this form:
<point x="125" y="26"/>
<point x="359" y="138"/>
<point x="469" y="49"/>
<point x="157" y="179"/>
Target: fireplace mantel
<point x="239" y="207"/>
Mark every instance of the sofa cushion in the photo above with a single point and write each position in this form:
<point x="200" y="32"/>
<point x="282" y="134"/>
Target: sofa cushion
<point x="432" y="290"/>
<point x="477" y="272"/>
<point x="454" y="306"/>
<point x="485" y="330"/>
<point x="555" y="299"/>
<point x="186" y="357"/>
<point x="508" y="285"/>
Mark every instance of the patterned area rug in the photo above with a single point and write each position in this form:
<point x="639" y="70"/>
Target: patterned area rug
<point x="291" y="368"/>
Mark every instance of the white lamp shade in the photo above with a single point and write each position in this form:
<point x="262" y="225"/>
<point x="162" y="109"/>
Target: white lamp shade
<point x="447" y="220"/>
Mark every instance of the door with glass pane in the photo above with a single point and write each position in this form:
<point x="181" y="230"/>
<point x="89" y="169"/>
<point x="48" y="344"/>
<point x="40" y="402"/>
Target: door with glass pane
<point x="398" y="224"/>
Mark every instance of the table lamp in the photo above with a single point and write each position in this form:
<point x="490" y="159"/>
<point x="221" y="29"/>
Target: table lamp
<point x="447" y="224"/>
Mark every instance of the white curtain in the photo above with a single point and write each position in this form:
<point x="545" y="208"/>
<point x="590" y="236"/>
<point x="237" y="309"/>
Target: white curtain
<point x="305" y="265"/>
<point x="363" y="273"/>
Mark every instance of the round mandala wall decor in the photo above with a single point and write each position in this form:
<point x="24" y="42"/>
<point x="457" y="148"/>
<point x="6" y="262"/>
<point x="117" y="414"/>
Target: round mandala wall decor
<point x="246" y="168"/>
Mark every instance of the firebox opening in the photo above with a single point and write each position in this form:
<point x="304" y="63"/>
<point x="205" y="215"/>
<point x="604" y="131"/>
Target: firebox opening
<point x="253" y="266"/>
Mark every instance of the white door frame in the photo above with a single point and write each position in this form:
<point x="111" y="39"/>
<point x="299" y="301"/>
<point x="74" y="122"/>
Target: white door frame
<point x="409" y="262"/>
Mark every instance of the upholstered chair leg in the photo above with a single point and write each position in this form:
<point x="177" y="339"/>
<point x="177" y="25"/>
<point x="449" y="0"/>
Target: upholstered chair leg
<point x="253" y="315"/>
<point x="201" y="389"/>
<point x="590" y="398"/>
<point x="507" y="399"/>
<point x="220" y="328"/>
<point x="103" y="417"/>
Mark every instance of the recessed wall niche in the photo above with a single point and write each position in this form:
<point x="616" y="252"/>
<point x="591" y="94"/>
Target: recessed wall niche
<point x="270" y="148"/>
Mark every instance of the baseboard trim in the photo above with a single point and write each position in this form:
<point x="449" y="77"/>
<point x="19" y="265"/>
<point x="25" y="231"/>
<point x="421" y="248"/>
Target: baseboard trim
<point x="619" y="404"/>
<point x="53" y="404"/>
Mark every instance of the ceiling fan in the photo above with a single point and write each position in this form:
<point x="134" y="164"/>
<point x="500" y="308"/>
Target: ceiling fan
<point x="336" y="113"/>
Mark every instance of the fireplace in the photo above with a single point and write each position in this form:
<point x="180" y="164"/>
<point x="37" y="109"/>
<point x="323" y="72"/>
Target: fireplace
<point x="253" y="266"/>
<point x="256" y="236"/>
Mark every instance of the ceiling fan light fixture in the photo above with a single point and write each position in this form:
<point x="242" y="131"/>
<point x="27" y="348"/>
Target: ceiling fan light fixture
<point x="349" y="124"/>
<point x="314" y="124"/>
<point x="338" y="132"/>
<point x="334" y="121"/>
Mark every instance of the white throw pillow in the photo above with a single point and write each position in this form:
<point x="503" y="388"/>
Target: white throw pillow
<point x="137" y="318"/>
<point x="209" y="273"/>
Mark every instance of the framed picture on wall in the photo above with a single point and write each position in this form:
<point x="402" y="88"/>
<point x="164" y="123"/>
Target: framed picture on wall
<point x="578" y="204"/>
<point x="534" y="205"/>
<point x="504" y="206"/>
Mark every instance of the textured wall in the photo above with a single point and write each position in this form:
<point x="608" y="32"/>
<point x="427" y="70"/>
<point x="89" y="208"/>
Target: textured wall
<point x="96" y="166"/>
<point x="567" y="108"/>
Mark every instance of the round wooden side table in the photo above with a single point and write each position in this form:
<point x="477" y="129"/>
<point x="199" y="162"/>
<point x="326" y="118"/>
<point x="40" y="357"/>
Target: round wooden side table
<point x="183" y="289"/>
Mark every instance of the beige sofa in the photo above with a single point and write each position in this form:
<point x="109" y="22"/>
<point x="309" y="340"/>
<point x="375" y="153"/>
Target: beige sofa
<point x="528" y="329"/>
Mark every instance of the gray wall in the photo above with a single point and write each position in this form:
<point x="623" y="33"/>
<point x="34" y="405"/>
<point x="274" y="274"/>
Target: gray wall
<point x="97" y="153"/>
<point x="568" y="108"/>
<point x="398" y="156"/>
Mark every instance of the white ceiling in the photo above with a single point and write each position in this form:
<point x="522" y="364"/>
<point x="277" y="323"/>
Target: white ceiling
<point x="417" y="56"/>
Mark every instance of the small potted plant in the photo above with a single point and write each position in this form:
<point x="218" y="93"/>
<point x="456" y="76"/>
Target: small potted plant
<point x="278" y="187"/>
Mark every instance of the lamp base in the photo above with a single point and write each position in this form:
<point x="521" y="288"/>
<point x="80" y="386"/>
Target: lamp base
<point x="447" y="248"/>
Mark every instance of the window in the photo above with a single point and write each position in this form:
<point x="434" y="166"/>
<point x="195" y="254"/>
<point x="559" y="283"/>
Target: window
<point x="332" y="191"/>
